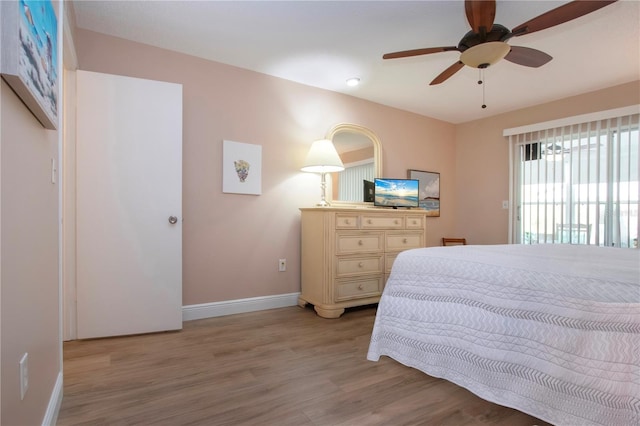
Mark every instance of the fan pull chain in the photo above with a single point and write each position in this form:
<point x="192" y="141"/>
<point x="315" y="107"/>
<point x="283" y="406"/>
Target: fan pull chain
<point x="481" y="80"/>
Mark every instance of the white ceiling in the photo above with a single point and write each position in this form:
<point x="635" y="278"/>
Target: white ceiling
<point x="322" y="43"/>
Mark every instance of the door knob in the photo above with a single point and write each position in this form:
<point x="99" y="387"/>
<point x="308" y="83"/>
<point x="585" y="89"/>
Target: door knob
<point x="173" y="220"/>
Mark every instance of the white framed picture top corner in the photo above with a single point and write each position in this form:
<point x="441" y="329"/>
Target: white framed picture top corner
<point x="241" y="168"/>
<point x="30" y="60"/>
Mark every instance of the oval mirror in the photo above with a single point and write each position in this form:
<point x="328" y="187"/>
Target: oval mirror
<point x="361" y="153"/>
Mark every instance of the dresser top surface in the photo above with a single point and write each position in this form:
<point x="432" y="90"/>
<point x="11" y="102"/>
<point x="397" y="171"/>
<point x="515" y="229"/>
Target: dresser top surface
<point x="365" y="209"/>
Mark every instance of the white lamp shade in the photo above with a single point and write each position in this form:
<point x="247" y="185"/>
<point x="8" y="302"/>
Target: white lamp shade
<point x="323" y="158"/>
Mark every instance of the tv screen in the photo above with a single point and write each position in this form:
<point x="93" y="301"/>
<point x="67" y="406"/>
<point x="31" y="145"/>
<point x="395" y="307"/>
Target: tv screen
<point x="368" y="189"/>
<point x="396" y="193"/>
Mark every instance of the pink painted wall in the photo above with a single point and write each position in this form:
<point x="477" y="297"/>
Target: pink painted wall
<point x="482" y="159"/>
<point x="29" y="279"/>
<point x="232" y="243"/>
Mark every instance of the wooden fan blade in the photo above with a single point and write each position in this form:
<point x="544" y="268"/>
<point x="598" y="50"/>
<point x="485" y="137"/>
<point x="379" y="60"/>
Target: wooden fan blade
<point x="559" y="15"/>
<point x="527" y="56"/>
<point x="416" y="52"/>
<point x="480" y="14"/>
<point x="444" y="75"/>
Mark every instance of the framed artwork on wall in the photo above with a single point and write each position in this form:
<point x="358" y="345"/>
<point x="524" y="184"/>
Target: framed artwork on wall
<point x="30" y="56"/>
<point x="429" y="190"/>
<point x="241" y="168"/>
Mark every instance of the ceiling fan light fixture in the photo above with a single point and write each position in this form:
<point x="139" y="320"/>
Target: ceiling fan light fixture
<point x="486" y="44"/>
<point x="485" y="54"/>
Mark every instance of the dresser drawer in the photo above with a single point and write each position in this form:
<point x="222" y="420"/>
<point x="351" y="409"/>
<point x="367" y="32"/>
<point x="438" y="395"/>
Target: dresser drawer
<point x="350" y="266"/>
<point x="389" y="258"/>
<point x="414" y="222"/>
<point x="347" y="243"/>
<point x="382" y="222"/>
<point x="403" y="241"/>
<point x="358" y="289"/>
<point x="346" y="221"/>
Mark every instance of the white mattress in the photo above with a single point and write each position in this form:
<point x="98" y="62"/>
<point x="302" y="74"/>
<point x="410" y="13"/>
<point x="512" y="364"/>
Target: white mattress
<point x="550" y="330"/>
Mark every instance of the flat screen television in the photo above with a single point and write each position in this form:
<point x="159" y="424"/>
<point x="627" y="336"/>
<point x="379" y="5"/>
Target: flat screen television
<point x="368" y="189"/>
<point x="396" y="193"/>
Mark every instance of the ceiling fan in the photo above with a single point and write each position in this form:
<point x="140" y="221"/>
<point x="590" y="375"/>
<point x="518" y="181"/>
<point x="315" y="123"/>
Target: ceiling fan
<point x="486" y="43"/>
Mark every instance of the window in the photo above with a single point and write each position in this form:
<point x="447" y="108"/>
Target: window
<point x="577" y="182"/>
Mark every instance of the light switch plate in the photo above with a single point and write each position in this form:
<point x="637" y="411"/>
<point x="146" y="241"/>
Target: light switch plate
<point x="24" y="375"/>
<point x="53" y="170"/>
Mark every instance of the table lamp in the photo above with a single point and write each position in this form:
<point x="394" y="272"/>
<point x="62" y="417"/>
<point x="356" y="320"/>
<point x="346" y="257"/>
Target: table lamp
<point x="323" y="158"/>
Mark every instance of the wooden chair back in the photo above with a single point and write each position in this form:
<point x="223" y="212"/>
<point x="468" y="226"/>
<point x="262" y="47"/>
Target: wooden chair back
<point x="454" y="241"/>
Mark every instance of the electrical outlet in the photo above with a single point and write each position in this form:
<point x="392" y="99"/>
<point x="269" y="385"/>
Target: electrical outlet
<point x="282" y="265"/>
<point x="24" y="375"/>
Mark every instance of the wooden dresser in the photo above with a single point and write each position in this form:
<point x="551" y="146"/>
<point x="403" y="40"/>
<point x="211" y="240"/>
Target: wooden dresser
<point x="347" y="253"/>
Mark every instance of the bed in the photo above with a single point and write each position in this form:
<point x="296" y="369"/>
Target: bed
<point x="551" y="330"/>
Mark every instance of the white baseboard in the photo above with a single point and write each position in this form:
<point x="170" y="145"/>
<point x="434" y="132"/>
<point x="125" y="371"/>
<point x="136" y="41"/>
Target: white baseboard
<point x="51" y="415"/>
<point x="238" y="306"/>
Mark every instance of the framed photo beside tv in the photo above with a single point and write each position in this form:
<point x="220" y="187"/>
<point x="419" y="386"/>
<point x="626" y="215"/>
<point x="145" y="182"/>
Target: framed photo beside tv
<point x="429" y="191"/>
<point x="30" y="60"/>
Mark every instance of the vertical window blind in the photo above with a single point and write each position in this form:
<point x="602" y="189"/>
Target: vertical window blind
<point x="350" y="185"/>
<point x="577" y="183"/>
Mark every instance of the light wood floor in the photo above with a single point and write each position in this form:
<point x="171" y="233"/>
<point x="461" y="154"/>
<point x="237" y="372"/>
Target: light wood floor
<point x="279" y="367"/>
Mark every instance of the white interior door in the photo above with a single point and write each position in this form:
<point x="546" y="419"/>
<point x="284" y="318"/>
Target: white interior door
<point x="129" y="184"/>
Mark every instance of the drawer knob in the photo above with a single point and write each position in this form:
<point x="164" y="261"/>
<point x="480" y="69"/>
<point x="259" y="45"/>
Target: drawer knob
<point x="369" y="221"/>
<point x="415" y="222"/>
<point x="404" y="240"/>
<point x="396" y="221"/>
<point x="360" y="287"/>
<point x="360" y="265"/>
<point x="360" y="242"/>
<point x="347" y="221"/>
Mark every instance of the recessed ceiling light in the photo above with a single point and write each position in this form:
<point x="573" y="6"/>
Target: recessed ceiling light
<point x="353" y="81"/>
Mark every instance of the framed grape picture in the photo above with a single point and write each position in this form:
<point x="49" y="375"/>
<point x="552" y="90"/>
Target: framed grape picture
<point x="241" y="168"/>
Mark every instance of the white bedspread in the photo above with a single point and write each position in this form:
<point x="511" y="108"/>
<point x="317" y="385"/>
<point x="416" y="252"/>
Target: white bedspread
<point x="550" y="330"/>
